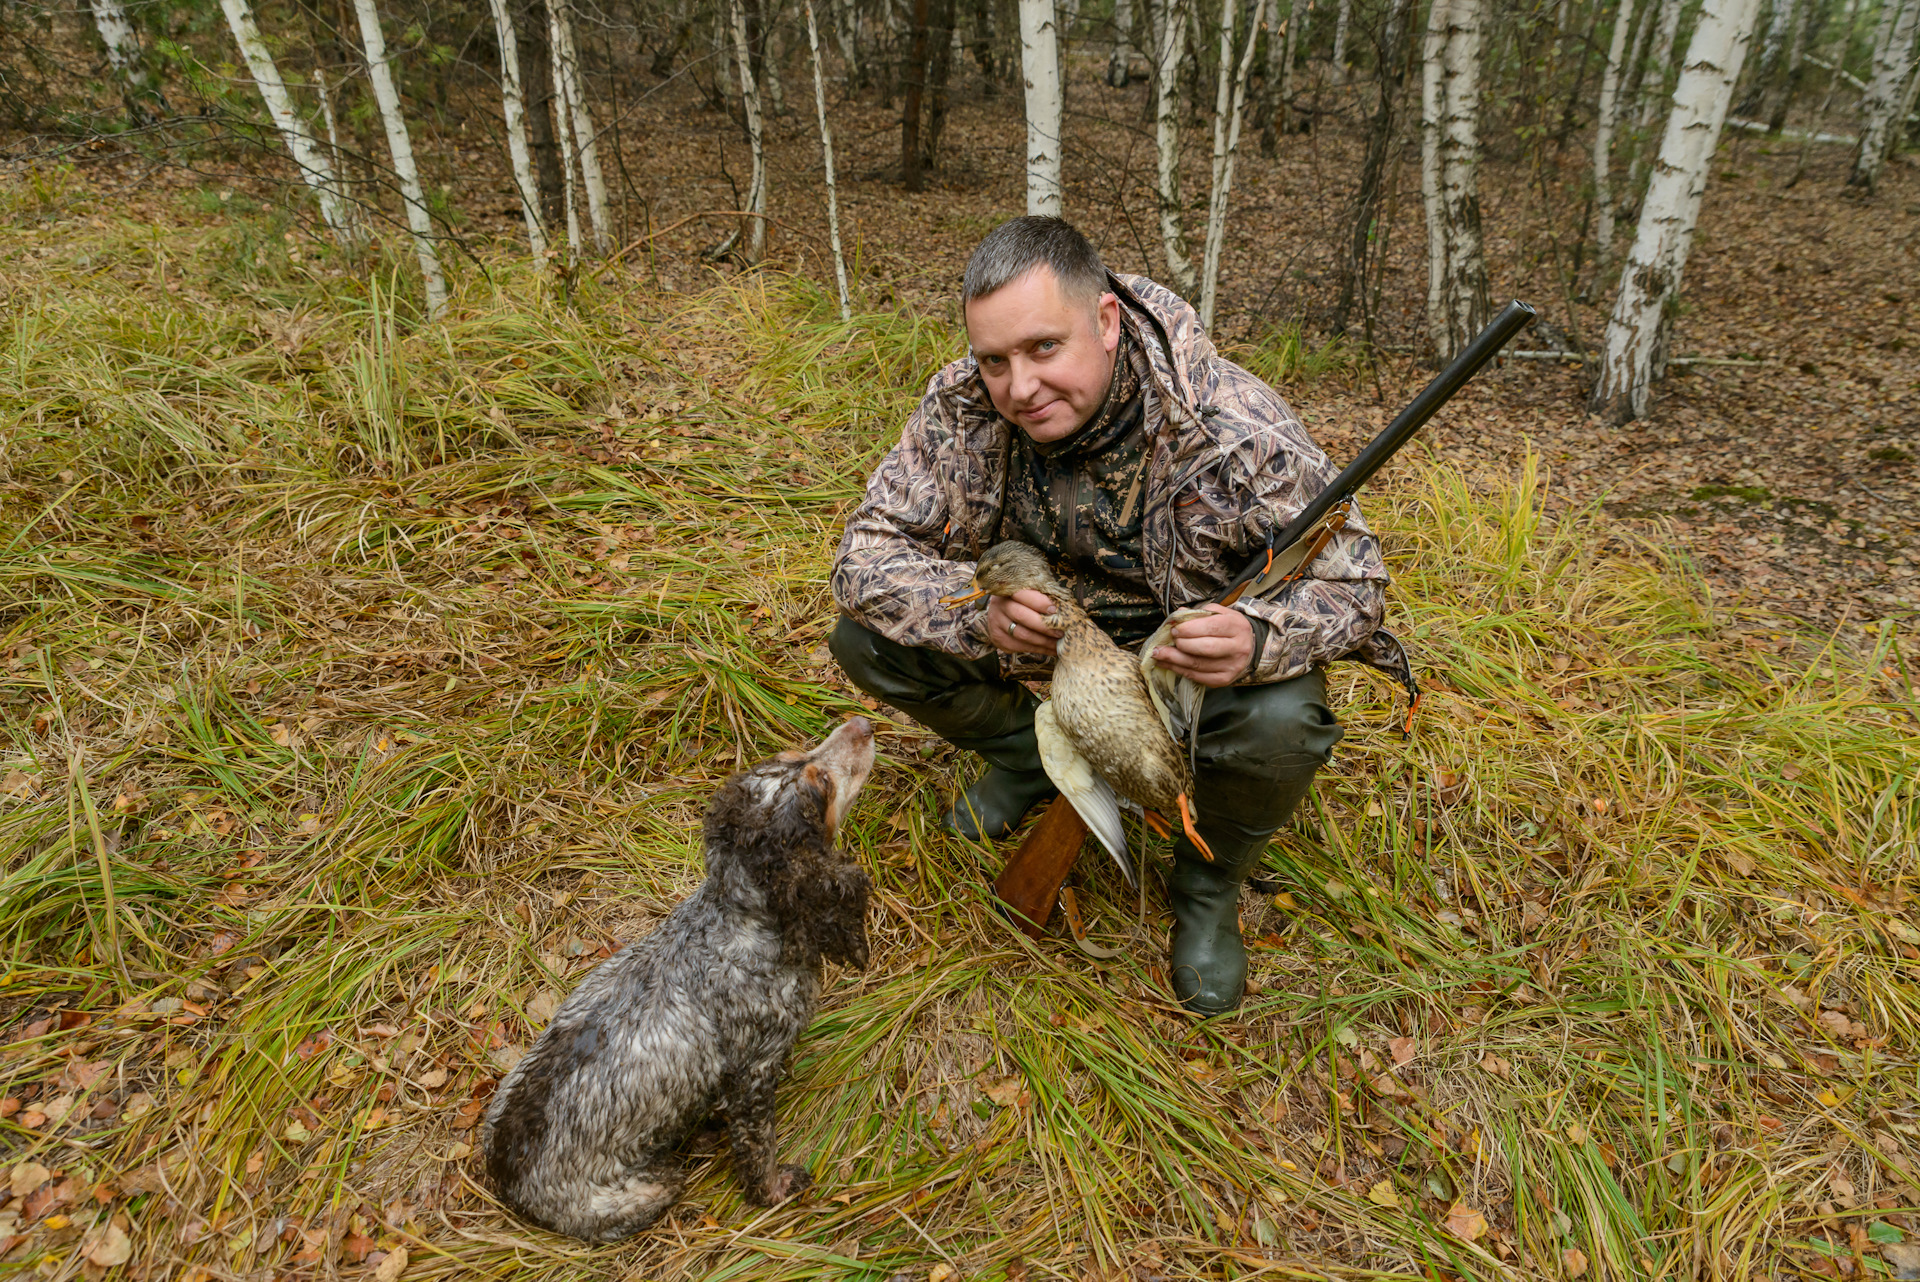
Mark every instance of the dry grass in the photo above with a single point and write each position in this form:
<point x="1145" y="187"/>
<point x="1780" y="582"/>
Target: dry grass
<point x="362" y="683"/>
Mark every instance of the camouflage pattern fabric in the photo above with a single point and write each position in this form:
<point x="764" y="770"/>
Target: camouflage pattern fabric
<point x="1227" y="462"/>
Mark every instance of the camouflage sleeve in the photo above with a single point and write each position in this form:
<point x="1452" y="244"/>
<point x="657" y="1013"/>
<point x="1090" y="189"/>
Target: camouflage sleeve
<point x="888" y="574"/>
<point x="1337" y="607"/>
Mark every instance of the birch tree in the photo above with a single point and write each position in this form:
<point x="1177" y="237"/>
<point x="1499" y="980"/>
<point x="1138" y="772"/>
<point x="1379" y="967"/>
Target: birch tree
<point x="1166" y="134"/>
<point x="1040" y="68"/>
<point x="1636" y="340"/>
<point x="1653" y="85"/>
<point x="315" y="169"/>
<point x="128" y="61"/>
<point x="1457" y="299"/>
<point x="1228" y="105"/>
<point x="1880" y="108"/>
<point x="1120" y="60"/>
<point x="513" y="104"/>
<point x="400" y="145"/>
<point x="576" y="114"/>
<point x="1603" y="138"/>
<point x="826" y="155"/>
<point x="1342" y="19"/>
<point x="756" y="136"/>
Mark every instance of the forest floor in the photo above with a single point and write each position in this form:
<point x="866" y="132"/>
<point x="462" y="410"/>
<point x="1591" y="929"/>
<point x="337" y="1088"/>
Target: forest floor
<point x="363" y="681"/>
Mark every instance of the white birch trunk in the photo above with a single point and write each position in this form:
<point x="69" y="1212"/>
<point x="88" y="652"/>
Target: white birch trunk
<point x="1457" y="300"/>
<point x="313" y="165"/>
<point x="826" y="154"/>
<point x="843" y="19"/>
<point x="1341" y="21"/>
<point x="1040" y="69"/>
<point x="566" y="66"/>
<point x="1166" y="72"/>
<point x="513" y="105"/>
<point x="1636" y="339"/>
<point x="400" y="144"/>
<point x="1653" y="89"/>
<point x="1229" y="106"/>
<point x="756" y="136"/>
<point x="1603" y="139"/>
<point x="333" y="131"/>
<point x="124" y="56"/>
<point x="1120" y="61"/>
<point x="1297" y="16"/>
<point x="1881" y="116"/>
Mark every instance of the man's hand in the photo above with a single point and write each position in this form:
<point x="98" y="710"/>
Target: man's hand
<point x="1214" y="651"/>
<point x="1017" y="623"/>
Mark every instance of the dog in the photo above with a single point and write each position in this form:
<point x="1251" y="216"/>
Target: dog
<point x="585" y="1135"/>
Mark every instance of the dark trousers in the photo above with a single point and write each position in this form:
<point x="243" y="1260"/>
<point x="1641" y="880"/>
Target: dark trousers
<point x="1258" y="748"/>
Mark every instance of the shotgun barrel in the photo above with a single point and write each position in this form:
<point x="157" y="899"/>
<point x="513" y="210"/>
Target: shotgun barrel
<point x="1511" y="320"/>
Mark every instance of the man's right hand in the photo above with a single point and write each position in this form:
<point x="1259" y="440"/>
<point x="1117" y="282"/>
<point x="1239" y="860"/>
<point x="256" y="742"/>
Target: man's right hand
<point x="1017" y="623"/>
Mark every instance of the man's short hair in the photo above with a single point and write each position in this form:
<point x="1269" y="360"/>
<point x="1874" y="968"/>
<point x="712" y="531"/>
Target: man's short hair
<point x="1019" y="245"/>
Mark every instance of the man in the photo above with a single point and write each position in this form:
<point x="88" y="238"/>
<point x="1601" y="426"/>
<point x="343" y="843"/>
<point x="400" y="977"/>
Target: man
<point x="1094" y="421"/>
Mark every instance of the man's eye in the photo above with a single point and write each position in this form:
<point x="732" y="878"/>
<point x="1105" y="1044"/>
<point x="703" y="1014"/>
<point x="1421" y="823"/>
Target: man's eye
<point x="1045" y="345"/>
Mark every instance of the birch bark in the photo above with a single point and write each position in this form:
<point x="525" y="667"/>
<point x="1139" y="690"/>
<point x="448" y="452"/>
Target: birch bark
<point x="1166" y="133"/>
<point x="826" y="154"/>
<point x="315" y="170"/>
<point x="1636" y="338"/>
<point x="566" y="62"/>
<point x="400" y="144"/>
<point x="1341" y="19"/>
<point x="1457" y="299"/>
<point x="125" y="57"/>
<point x="1228" y="108"/>
<point x="756" y="136"/>
<point x="513" y="104"/>
<point x="1603" y="139"/>
<point x="1880" y="108"/>
<point x="1120" y="60"/>
<point x="1040" y="69"/>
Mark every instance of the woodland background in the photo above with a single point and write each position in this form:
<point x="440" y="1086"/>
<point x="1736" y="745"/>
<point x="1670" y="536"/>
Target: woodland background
<point x="367" y="656"/>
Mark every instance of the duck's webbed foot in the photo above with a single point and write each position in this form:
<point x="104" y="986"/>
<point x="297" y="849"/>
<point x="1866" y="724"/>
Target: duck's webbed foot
<point x="1186" y="822"/>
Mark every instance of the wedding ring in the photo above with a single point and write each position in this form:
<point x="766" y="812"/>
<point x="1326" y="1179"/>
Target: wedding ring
<point x="1011" y="625"/>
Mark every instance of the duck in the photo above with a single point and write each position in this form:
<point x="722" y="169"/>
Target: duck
<point x="1109" y="730"/>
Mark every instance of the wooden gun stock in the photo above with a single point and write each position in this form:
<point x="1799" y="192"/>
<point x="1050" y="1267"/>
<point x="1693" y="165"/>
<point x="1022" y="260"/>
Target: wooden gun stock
<point x="1030" y="883"/>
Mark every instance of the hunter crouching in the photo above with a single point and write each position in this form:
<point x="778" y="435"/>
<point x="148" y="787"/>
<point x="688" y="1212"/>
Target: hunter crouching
<point x="1094" y="421"/>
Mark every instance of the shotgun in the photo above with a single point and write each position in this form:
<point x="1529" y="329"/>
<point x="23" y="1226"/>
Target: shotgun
<point x="1029" y="885"/>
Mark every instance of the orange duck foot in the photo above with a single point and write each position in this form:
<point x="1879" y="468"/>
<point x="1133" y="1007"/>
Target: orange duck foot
<point x="1154" y="821"/>
<point x="1186" y="822"/>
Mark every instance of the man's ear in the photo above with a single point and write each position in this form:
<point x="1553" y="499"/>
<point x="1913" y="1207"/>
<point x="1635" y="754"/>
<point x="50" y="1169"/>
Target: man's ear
<point x="1108" y="310"/>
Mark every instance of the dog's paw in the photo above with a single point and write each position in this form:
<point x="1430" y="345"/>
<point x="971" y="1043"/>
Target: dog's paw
<point x="787" y="1182"/>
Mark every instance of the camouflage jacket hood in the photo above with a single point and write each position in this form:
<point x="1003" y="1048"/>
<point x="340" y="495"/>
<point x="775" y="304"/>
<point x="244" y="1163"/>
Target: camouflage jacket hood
<point x="1227" y="463"/>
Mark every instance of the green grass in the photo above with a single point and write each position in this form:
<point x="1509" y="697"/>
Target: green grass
<point x="361" y="682"/>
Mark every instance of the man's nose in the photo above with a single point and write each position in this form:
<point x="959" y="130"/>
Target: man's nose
<point x="1023" y="379"/>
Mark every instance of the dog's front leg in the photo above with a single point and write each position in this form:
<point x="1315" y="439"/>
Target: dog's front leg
<point x="750" y="1130"/>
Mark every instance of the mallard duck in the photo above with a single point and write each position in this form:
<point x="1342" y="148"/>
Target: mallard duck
<point x="1106" y="733"/>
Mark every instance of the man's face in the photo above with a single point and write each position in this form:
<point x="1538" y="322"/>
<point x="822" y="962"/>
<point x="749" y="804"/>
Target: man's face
<point x="1045" y="357"/>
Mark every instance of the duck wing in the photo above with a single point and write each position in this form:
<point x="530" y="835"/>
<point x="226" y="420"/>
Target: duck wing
<point x="1175" y="698"/>
<point x="1091" y="796"/>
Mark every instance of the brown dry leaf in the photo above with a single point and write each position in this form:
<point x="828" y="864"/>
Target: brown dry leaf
<point x="433" y="1079"/>
<point x="1466" y="1223"/>
<point x="392" y="1267"/>
<point x="1005" y="1091"/>
<point x="108" y="1247"/>
<point x="1402" y="1049"/>
<point x="1573" y="1262"/>
<point x="1382" y="1194"/>
<point x="1500" y="1068"/>
<point x="26" y="1177"/>
<point x="941" y="1273"/>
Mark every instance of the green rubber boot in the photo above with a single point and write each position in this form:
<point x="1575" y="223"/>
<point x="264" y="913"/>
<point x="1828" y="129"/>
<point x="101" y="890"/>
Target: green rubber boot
<point x="1209" y="962"/>
<point x="994" y="806"/>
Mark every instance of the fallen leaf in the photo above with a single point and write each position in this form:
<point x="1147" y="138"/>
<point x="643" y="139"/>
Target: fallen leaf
<point x="1007" y="1092"/>
<point x="433" y="1079"/>
<point x="297" y="1133"/>
<point x="940" y="1273"/>
<point x="391" y="1267"/>
<point x="1573" y="1262"/>
<point x="1402" y="1050"/>
<point x="26" y="1177"/>
<point x="108" y="1247"/>
<point x="1466" y="1223"/>
<point x="1500" y="1068"/>
<point x="355" y="1246"/>
<point x="458" y="1151"/>
<point x="1382" y="1194"/>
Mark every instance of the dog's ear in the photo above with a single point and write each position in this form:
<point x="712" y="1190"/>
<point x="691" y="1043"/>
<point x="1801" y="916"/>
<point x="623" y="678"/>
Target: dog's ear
<point x="829" y="910"/>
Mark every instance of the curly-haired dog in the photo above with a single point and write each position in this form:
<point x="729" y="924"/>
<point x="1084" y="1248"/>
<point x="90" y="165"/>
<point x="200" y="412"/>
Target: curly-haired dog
<point x="584" y="1135"/>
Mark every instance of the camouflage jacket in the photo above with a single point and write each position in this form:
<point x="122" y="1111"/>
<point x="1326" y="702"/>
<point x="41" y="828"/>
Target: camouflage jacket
<point x="1228" y="463"/>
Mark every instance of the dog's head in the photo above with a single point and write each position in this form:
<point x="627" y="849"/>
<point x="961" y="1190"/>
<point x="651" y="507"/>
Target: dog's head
<point x="769" y="838"/>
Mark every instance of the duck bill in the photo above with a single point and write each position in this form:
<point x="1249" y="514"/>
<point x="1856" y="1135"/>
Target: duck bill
<point x="953" y="600"/>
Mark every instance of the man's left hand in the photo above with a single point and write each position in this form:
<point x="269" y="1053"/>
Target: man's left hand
<point x="1214" y="651"/>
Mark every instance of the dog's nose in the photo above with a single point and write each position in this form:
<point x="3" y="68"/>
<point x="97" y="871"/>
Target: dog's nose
<point x="859" y="727"/>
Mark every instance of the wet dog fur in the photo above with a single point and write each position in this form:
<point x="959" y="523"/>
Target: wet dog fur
<point x="585" y="1136"/>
